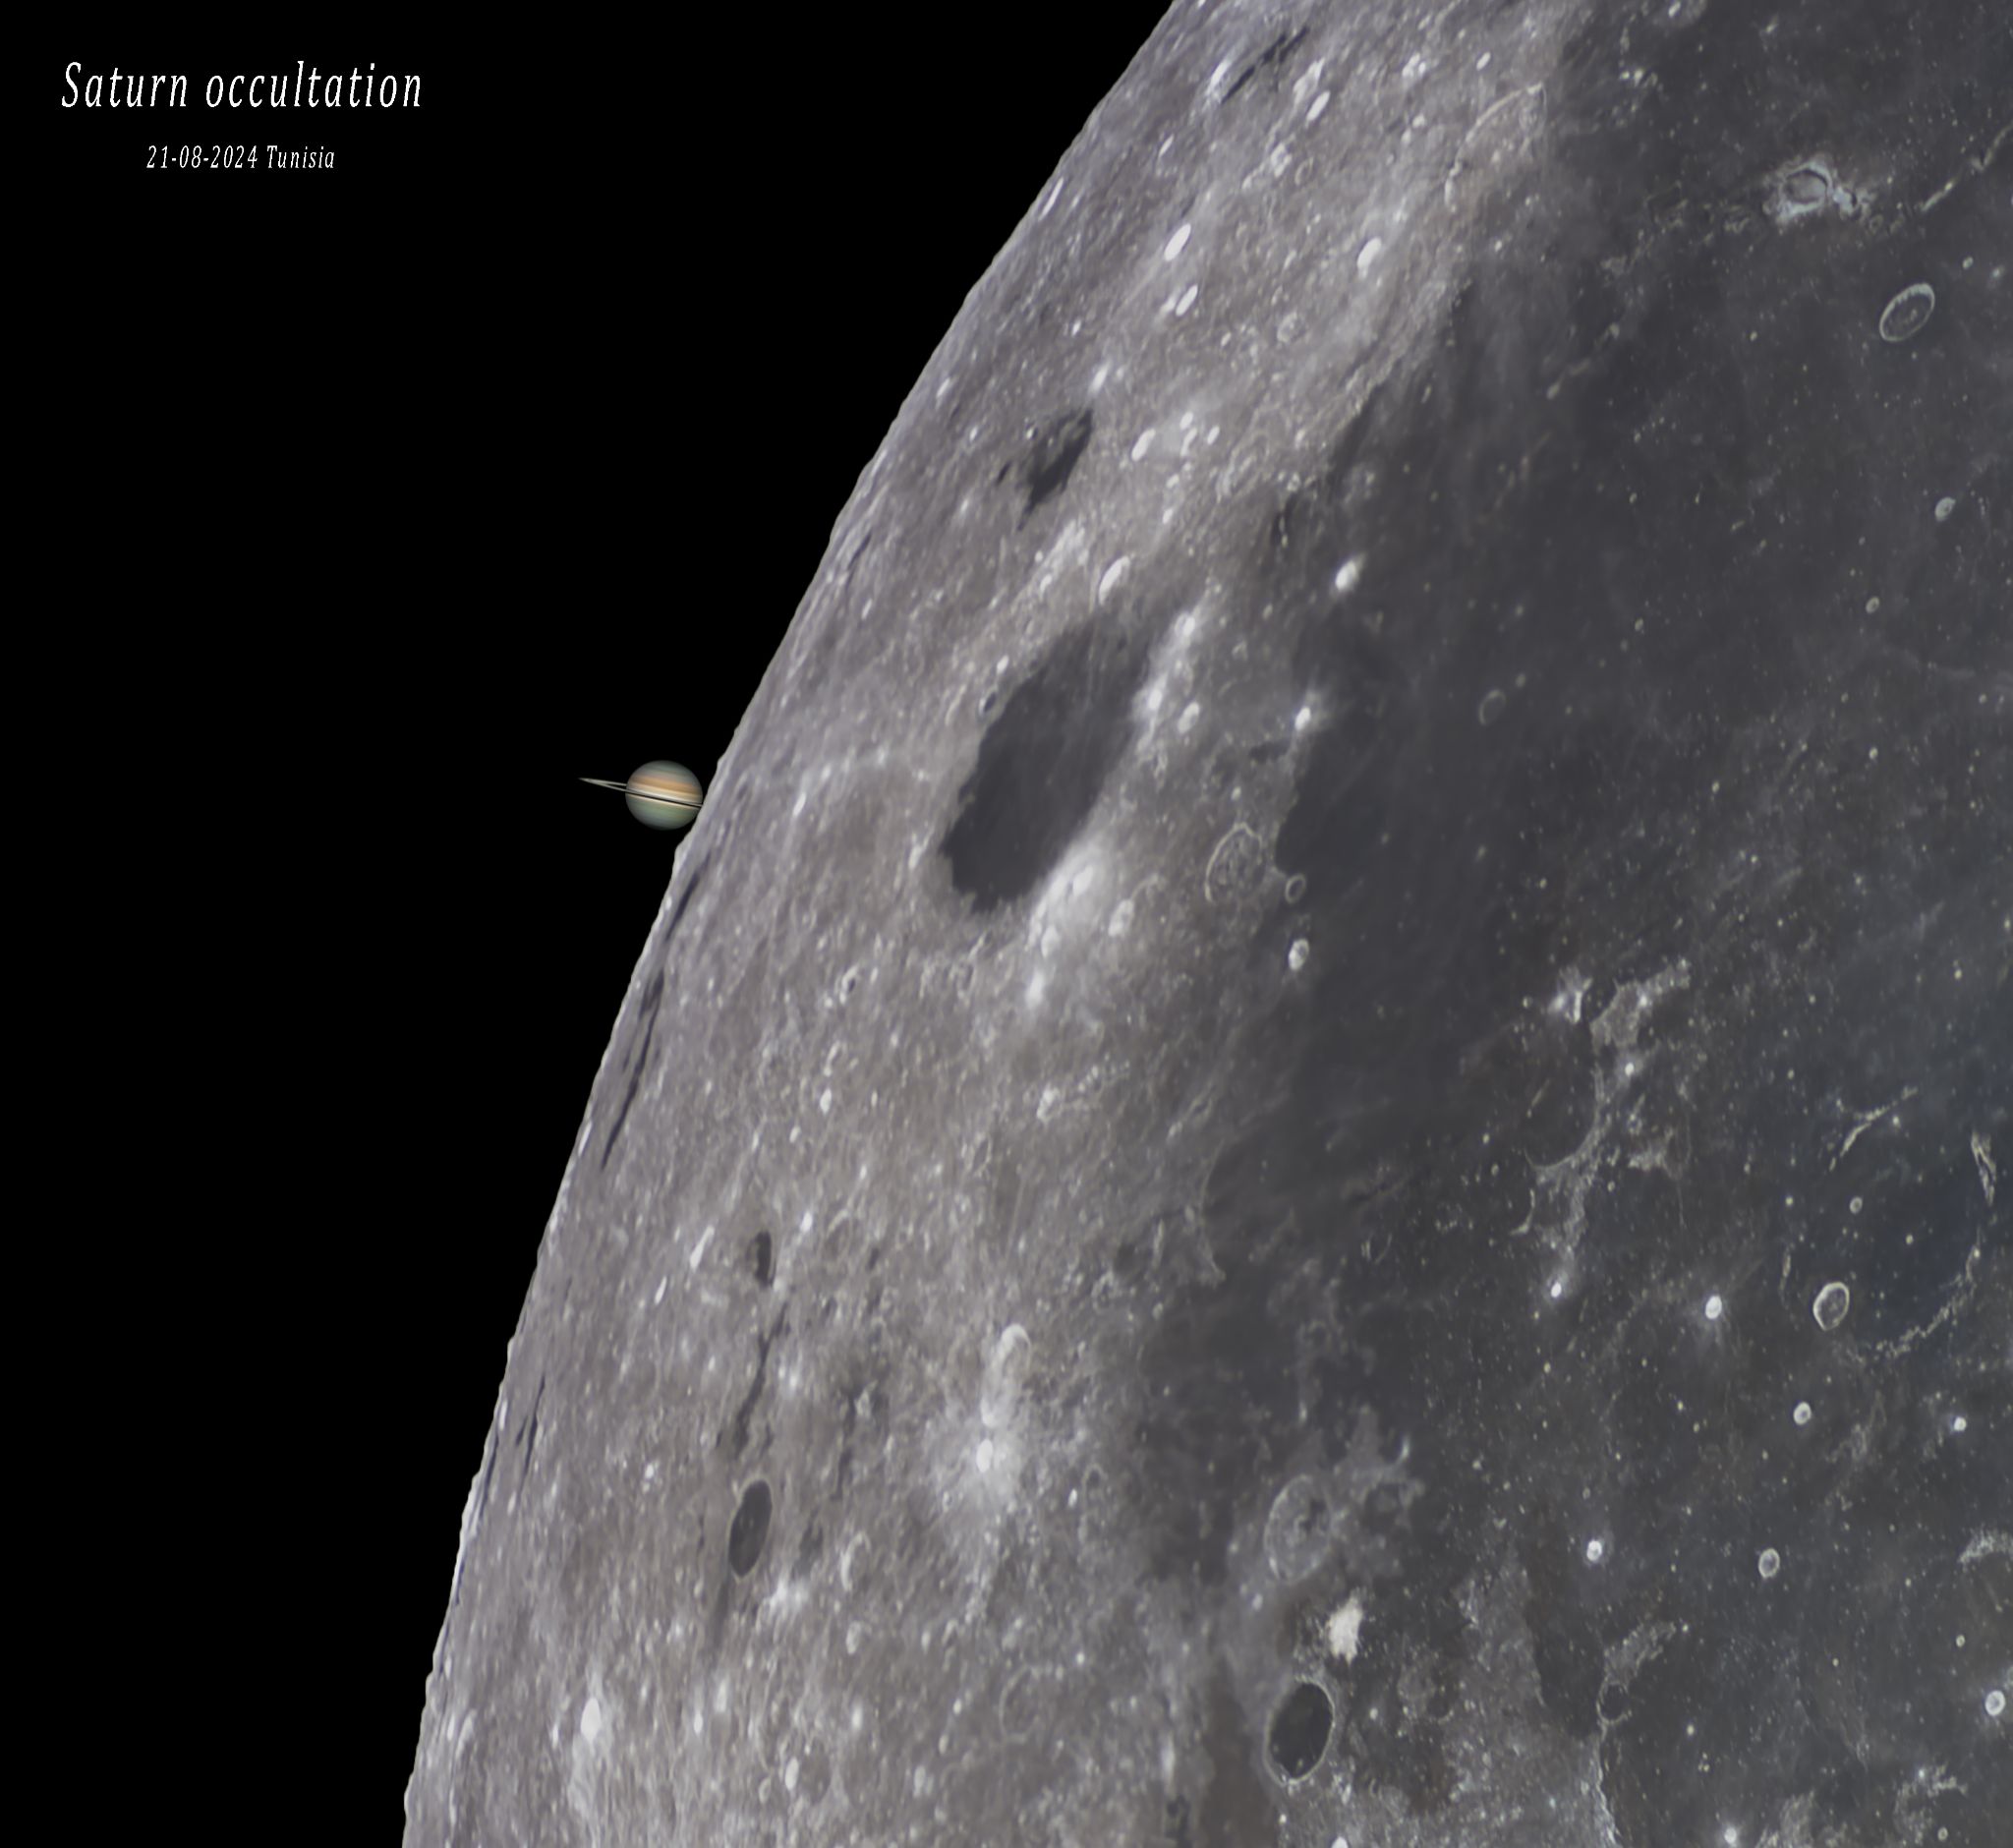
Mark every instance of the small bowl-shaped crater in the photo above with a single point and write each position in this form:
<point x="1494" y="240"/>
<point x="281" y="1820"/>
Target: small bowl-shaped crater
<point x="1299" y="1730"/>
<point x="749" y="1533"/>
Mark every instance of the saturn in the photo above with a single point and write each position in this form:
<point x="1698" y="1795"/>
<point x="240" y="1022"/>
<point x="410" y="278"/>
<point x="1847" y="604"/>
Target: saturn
<point x="660" y="794"/>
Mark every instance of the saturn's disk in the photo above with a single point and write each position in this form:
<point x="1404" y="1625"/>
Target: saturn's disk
<point x="660" y="794"/>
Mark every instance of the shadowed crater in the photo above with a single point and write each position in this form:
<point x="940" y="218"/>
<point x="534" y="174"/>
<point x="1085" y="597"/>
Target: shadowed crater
<point x="637" y="1057"/>
<point x="1053" y="454"/>
<point x="1272" y="59"/>
<point x="1299" y="1730"/>
<point x="685" y="898"/>
<point x="1043" y="762"/>
<point x="749" y="1533"/>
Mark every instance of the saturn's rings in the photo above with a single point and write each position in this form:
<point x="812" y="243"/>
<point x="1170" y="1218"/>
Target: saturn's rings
<point x="660" y="794"/>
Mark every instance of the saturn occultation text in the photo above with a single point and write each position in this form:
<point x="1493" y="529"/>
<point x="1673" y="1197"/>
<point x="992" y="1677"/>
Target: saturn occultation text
<point x="307" y="88"/>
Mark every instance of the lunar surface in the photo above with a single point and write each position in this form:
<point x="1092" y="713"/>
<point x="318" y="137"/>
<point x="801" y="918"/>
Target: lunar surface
<point x="1313" y="1149"/>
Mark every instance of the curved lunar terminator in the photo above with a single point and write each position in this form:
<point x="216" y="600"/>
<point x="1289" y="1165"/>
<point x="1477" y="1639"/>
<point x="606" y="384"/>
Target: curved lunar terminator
<point x="662" y="794"/>
<point x="1454" y="801"/>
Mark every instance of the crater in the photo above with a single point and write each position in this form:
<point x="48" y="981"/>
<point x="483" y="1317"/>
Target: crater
<point x="1043" y="762"/>
<point x="1908" y="313"/>
<point x="1053" y="454"/>
<point x="749" y="1533"/>
<point x="1299" y="1730"/>
<point x="1299" y="1530"/>
<point x="1236" y="866"/>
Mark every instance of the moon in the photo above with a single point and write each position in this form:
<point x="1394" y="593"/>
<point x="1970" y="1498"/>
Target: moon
<point x="1351" y="1196"/>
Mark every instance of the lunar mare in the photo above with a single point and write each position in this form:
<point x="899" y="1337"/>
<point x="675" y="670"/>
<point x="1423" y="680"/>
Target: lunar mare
<point x="1358" y="1202"/>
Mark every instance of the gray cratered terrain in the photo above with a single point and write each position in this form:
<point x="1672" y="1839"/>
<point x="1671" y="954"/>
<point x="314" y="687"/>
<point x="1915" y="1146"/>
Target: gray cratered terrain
<point x="1316" y="1143"/>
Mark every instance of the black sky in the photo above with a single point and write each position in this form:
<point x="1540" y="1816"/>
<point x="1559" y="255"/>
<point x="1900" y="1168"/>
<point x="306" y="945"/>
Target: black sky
<point x="612" y="371"/>
<point x="385" y="511"/>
